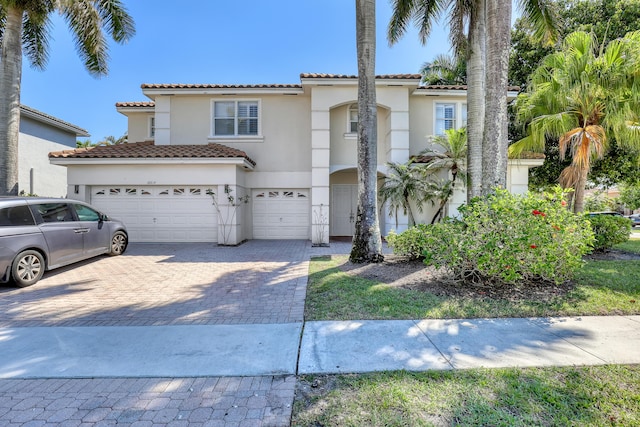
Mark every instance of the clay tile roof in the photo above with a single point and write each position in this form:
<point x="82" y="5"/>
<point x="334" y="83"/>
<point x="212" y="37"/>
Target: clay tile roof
<point x="458" y="87"/>
<point x="217" y="86"/>
<point x="136" y="104"/>
<point x="345" y="76"/>
<point x="529" y="155"/>
<point x="148" y="149"/>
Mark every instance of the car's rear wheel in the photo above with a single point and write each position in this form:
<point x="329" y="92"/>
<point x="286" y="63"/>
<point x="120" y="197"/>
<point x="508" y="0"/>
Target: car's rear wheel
<point x="119" y="243"/>
<point x="27" y="268"/>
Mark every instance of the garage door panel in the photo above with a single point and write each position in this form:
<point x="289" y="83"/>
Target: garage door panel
<point x="281" y="214"/>
<point x="161" y="214"/>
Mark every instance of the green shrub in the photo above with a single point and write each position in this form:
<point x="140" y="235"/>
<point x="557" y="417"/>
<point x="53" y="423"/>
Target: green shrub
<point x="609" y="230"/>
<point x="410" y="243"/>
<point x="504" y="238"/>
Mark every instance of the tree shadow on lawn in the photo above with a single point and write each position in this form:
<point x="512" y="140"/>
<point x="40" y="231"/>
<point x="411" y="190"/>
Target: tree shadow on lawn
<point x="409" y="289"/>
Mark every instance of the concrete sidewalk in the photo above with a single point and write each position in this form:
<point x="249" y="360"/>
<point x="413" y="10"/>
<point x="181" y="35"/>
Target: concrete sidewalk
<point x="319" y="347"/>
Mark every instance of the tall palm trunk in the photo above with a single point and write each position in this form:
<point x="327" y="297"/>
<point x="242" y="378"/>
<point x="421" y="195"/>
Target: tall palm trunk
<point x="475" y="98"/>
<point x="10" y="78"/>
<point x="578" y="195"/>
<point x="367" y="242"/>
<point x="496" y="142"/>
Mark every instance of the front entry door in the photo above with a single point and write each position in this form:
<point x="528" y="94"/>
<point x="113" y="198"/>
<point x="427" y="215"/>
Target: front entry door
<point x="343" y="212"/>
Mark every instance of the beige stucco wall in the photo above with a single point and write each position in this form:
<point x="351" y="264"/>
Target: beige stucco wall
<point x="344" y="145"/>
<point x="138" y="126"/>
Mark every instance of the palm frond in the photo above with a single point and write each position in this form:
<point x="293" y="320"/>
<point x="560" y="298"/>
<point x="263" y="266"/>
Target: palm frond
<point x="35" y="38"/>
<point x="543" y="16"/>
<point x="116" y="20"/>
<point x="403" y="11"/>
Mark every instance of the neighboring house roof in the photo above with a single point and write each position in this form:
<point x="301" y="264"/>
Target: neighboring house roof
<point x="52" y="121"/>
<point x="148" y="149"/>
<point x="526" y="155"/>
<point x="217" y="86"/>
<point x="351" y="76"/>
<point x="460" y="87"/>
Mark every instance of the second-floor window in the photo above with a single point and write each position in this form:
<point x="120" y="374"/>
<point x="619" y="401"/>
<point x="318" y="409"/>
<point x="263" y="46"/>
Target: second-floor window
<point x="353" y="118"/>
<point x="235" y="118"/>
<point x="152" y="127"/>
<point x="450" y="116"/>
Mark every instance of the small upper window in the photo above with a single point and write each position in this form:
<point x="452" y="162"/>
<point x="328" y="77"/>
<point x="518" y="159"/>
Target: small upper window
<point x="235" y="118"/>
<point x="353" y="119"/>
<point x="152" y="127"/>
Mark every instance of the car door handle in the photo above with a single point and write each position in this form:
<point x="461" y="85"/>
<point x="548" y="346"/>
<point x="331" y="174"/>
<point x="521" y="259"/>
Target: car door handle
<point x="81" y="230"/>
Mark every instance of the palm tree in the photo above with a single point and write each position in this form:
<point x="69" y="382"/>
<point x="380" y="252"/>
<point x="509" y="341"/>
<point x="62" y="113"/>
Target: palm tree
<point x="367" y="241"/>
<point x="445" y="70"/>
<point x="112" y="140"/>
<point x="25" y="24"/>
<point x="404" y="183"/>
<point x="581" y="95"/>
<point x="478" y="48"/>
<point x="84" y="144"/>
<point x="452" y="158"/>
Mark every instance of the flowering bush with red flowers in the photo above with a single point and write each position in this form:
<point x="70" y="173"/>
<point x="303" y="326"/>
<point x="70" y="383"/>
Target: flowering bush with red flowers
<point x="505" y="238"/>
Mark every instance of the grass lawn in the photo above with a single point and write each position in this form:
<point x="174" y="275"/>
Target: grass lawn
<point x="574" y="396"/>
<point x="607" y="395"/>
<point x="602" y="288"/>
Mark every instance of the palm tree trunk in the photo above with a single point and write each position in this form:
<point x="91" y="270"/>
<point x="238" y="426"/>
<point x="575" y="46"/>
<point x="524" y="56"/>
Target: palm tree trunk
<point x="367" y="242"/>
<point x="475" y="98"/>
<point x="578" y="195"/>
<point x="10" y="79"/>
<point x="496" y="142"/>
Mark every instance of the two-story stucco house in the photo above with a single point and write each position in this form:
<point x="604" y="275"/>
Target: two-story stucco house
<point x="40" y="134"/>
<point x="288" y="150"/>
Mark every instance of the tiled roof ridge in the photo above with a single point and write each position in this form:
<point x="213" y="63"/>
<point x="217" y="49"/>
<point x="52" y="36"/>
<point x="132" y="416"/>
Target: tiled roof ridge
<point x="218" y="86"/>
<point x="148" y="149"/>
<point x="353" y="76"/>
<point x="136" y="104"/>
<point x="458" y="87"/>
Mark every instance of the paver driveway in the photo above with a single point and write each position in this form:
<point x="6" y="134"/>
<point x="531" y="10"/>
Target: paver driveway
<point x="169" y="284"/>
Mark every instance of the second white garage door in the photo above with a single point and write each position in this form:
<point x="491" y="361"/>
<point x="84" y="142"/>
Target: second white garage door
<point x="160" y="214"/>
<point x="281" y="214"/>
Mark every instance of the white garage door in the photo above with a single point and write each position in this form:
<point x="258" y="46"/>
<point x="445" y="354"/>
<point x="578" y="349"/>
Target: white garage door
<point x="281" y="214"/>
<point x="160" y="214"/>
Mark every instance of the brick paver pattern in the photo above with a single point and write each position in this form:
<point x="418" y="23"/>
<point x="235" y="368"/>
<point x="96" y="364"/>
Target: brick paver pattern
<point x="172" y="284"/>
<point x="161" y="284"/>
<point x="147" y="402"/>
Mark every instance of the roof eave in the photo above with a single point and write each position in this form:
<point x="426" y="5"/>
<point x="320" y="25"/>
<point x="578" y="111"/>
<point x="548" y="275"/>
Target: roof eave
<point x="68" y="161"/>
<point x="60" y="124"/>
<point x="153" y="92"/>
<point x="125" y="110"/>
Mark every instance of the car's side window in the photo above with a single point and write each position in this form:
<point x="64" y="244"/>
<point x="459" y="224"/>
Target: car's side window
<point x="55" y="212"/>
<point x="16" y="216"/>
<point x="86" y="213"/>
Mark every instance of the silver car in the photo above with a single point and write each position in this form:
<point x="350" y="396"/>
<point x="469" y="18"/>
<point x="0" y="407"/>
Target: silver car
<point x="38" y="234"/>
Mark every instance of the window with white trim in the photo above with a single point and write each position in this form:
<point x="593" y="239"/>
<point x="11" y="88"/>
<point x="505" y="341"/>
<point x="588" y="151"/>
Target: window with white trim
<point x="352" y="126"/>
<point x="450" y="116"/>
<point x="235" y="118"/>
<point x="152" y="127"/>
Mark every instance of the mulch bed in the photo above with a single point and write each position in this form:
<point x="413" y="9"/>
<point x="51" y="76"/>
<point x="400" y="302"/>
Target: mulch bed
<point x="413" y="274"/>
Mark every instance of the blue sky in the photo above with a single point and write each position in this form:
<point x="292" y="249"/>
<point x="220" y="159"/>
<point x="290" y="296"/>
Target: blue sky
<point x="217" y="41"/>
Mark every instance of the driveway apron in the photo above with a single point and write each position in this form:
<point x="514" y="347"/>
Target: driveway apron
<point x="78" y="345"/>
